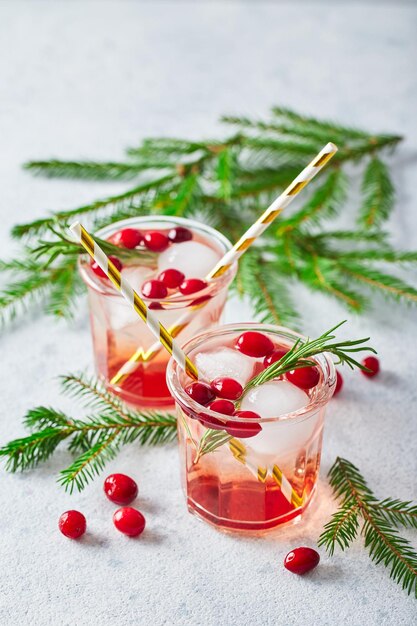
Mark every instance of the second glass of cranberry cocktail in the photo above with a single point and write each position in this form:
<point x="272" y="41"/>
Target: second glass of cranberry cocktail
<point x="174" y="257"/>
<point x="250" y="455"/>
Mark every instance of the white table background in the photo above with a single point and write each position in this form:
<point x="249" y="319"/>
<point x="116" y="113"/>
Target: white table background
<point x="81" y="79"/>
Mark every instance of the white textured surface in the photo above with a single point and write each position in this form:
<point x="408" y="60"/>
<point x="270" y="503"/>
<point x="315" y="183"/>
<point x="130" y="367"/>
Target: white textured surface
<point x="86" y="80"/>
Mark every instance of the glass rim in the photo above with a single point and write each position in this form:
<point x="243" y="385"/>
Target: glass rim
<point x="322" y="392"/>
<point x="213" y="288"/>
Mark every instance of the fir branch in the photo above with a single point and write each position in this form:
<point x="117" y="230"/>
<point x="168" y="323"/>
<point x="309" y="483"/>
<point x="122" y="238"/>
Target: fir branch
<point x="98" y="437"/>
<point x="378" y="194"/>
<point x="303" y="352"/>
<point x="92" y="170"/>
<point x="397" y="513"/>
<point x="267" y="291"/>
<point x="375" y="279"/>
<point x="114" y="202"/>
<point x="231" y="180"/>
<point x="379" y="521"/>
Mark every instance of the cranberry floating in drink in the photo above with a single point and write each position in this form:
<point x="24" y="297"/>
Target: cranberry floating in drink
<point x="167" y="261"/>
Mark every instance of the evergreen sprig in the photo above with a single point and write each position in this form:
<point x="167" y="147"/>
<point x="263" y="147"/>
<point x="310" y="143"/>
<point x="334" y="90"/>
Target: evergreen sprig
<point x="302" y="354"/>
<point x="228" y="182"/>
<point x="95" y="440"/>
<point x="377" y="521"/>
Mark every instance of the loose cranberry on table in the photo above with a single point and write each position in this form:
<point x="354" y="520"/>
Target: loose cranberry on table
<point x="171" y="278"/>
<point x="304" y="377"/>
<point x="301" y="560"/>
<point x="339" y="382"/>
<point x="72" y="524"/>
<point x="97" y="269"/>
<point x="120" y="489"/>
<point x="154" y="289"/>
<point x="227" y="388"/>
<point x="129" y="521"/>
<point x="192" y="285"/>
<point x="372" y="363"/>
<point x="128" y="238"/>
<point x="156" y="241"/>
<point x="275" y="356"/>
<point x="180" y="234"/>
<point x="226" y="407"/>
<point x="254" y="344"/>
<point x="200" y="392"/>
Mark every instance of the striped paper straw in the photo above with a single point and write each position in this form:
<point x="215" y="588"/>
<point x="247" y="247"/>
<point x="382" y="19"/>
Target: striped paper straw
<point x="275" y="209"/>
<point x="133" y="299"/>
<point x="238" y="449"/>
<point x="234" y="253"/>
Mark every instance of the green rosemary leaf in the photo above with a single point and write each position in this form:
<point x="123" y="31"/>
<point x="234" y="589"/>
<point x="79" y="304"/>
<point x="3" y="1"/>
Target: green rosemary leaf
<point x="302" y="353"/>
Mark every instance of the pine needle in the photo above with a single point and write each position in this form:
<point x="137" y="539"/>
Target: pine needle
<point x="377" y="521"/>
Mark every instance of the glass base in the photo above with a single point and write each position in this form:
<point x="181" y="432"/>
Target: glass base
<point x="249" y="527"/>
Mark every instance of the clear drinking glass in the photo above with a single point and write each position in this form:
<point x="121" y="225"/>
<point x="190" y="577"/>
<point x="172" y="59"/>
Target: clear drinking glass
<point x="248" y="483"/>
<point x="118" y="332"/>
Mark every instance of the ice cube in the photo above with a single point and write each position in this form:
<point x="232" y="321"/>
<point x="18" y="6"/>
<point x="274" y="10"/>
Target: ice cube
<point x="225" y="362"/>
<point x="119" y="312"/>
<point x="136" y="275"/>
<point x="277" y="439"/>
<point x="192" y="258"/>
<point x="274" y="398"/>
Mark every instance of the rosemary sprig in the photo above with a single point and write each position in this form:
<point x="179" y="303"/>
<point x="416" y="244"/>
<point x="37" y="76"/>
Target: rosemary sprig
<point x="302" y="353"/>
<point x="377" y="521"/>
<point x="210" y="441"/>
<point x="95" y="439"/>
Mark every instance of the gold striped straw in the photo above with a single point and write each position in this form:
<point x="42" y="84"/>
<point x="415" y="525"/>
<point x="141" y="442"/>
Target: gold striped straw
<point x="261" y="224"/>
<point x="133" y="299"/>
<point x="238" y="449"/>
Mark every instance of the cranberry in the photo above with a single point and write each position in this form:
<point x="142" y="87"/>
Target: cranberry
<point x="191" y="285"/>
<point x="120" y="489"/>
<point x="222" y="406"/>
<point x="275" y="356"/>
<point x="155" y="241"/>
<point x="211" y="422"/>
<point x="155" y="306"/>
<point x="97" y="269"/>
<point x="301" y="560"/>
<point x="72" y="524"/>
<point x="372" y="363"/>
<point x="199" y="301"/>
<point x="304" y="377"/>
<point x="180" y="234"/>
<point x="171" y="278"/>
<point x="254" y="344"/>
<point x="128" y="238"/>
<point x="200" y="392"/>
<point x="227" y="388"/>
<point x="339" y="382"/>
<point x="248" y="415"/>
<point x="129" y="521"/>
<point x="154" y="289"/>
<point x="243" y="430"/>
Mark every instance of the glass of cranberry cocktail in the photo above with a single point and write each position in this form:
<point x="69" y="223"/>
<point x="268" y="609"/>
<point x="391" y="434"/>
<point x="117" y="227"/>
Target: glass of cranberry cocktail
<point x="169" y="260"/>
<point x="249" y="455"/>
